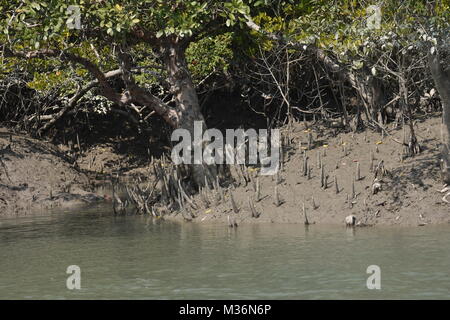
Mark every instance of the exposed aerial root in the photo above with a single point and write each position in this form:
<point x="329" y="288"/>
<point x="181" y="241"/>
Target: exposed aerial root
<point x="444" y="198"/>
<point x="445" y="189"/>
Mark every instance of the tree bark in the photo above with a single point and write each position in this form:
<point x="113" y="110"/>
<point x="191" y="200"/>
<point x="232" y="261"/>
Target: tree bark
<point x="367" y="86"/>
<point x="186" y="100"/>
<point x="441" y="78"/>
<point x="182" y="88"/>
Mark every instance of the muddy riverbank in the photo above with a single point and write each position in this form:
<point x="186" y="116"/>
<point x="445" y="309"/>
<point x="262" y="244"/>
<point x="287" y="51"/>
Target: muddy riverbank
<point x="407" y="187"/>
<point x="36" y="175"/>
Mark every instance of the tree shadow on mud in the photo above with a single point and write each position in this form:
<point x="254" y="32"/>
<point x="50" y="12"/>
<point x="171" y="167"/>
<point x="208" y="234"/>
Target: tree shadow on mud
<point x="415" y="174"/>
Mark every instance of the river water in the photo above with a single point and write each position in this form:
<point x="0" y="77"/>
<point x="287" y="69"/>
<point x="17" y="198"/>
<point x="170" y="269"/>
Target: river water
<point x="134" y="257"/>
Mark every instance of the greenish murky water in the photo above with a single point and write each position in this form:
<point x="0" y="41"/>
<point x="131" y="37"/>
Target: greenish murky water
<point x="132" y="257"/>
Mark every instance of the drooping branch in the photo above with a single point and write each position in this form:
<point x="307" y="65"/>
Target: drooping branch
<point x="107" y="90"/>
<point x="76" y="97"/>
<point x="142" y="96"/>
<point x="134" y="92"/>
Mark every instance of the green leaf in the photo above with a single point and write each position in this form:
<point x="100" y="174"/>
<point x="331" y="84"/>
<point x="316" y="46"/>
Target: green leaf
<point x="35" y="5"/>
